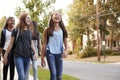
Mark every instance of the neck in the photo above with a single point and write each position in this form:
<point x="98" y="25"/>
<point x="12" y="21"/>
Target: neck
<point x="26" y="28"/>
<point x="56" y="25"/>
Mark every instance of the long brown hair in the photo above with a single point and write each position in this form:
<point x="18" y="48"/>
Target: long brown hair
<point x="35" y="30"/>
<point x="50" y="28"/>
<point x="21" y="25"/>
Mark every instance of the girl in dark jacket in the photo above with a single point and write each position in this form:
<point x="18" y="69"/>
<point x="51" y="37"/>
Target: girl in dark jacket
<point x="5" y="40"/>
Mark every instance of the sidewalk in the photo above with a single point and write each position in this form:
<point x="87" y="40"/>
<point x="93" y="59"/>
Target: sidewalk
<point x="16" y="76"/>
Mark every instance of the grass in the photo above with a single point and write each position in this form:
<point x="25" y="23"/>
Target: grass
<point x="43" y="74"/>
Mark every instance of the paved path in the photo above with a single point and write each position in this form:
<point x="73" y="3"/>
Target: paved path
<point x="92" y="71"/>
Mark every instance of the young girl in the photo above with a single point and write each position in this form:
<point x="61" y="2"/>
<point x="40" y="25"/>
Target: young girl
<point x="54" y="38"/>
<point x="5" y="40"/>
<point x="37" y="44"/>
<point x="23" y="45"/>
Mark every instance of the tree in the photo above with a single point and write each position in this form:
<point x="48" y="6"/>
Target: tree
<point x="39" y="11"/>
<point x="80" y="19"/>
<point x="109" y="14"/>
<point x="2" y="22"/>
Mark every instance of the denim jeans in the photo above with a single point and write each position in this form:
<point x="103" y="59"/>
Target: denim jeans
<point x="34" y="66"/>
<point x="22" y="66"/>
<point x="55" y="63"/>
<point x="34" y="62"/>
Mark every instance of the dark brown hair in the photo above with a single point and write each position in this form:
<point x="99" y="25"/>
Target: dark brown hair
<point x="50" y="28"/>
<point x="35" y="30"/>
<point x="6" y="24"/>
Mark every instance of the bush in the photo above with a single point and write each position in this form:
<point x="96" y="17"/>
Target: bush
<point x="88" y="52"/>
<point x="115" y="53"/>
<point x="106" y="52"/>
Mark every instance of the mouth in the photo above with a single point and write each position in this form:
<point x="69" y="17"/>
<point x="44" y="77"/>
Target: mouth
<point x="57" y="18"/>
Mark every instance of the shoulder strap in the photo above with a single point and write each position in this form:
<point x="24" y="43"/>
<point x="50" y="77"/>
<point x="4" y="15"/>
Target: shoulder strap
<point x="4" y="32"/>
<point x="30" y="32"/>
<point x="17" y="33"/>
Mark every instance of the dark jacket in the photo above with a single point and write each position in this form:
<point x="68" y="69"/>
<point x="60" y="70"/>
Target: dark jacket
<point x="2" y="40"/>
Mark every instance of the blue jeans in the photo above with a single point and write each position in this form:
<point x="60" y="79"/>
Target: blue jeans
<point x="34" y="66"/>
<point x="55" y="63"/>
<point x="22" y="66"/>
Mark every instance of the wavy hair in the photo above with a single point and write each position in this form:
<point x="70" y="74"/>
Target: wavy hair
<point x="22" y="24"/>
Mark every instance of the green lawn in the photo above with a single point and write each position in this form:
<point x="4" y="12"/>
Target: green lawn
<point x="43" y="74"/>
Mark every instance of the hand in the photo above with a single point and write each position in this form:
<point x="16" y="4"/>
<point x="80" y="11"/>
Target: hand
<point x="5" y="59"/>
<point x="64" y="55"/>
<point x="43" y="62"/>
<point x="34" y="57"/>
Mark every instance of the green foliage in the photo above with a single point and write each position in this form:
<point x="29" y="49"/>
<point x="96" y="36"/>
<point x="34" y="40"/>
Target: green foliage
<point x="39" y="11"/>
<point x="106" y="52"/>
<point x="70" y="52"/>
<point x="19" y="11"/>
<point x="77" y="45"/>
<point x="2" y="21"/>
<point x="115" y="53"/>
<point x="89" y="43"/>
<point x="88" y="52"/>
<point x="43" y="74"/>
<point x="82" y="17"/>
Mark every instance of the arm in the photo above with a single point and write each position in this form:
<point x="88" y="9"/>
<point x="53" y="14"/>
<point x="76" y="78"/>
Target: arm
<point x="8" y="50"/>
<point x="39" y="45"/>
<point x="44" y="48"/>
<point x="33" y="49"/>
<point x="66" y="48"/>
<point x="66" y="44"/>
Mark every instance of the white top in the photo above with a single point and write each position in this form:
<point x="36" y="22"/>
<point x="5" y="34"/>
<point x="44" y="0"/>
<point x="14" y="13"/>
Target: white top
<point x="7" y="39"/>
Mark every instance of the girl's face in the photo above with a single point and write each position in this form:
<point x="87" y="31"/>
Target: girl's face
<point x="27" y="20"/>
<point x="56" y="17"/>
<point x="11" y="22"/>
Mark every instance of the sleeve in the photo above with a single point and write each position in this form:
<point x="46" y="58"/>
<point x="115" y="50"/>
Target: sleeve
<point x="2" y="40"/>
<point x="13" y="33"/>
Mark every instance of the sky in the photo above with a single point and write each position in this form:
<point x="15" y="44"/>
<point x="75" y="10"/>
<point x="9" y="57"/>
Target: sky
<point x="7" y="7"/>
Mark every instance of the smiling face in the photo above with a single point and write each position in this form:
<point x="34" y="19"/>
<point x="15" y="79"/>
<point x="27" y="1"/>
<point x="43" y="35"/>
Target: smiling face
<point x="56" y="17"/>
<point x="27" y="20"/>
<point x="11" y="22"/>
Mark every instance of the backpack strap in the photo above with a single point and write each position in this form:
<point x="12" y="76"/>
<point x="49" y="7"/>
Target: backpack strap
<point x="4" y="32"/>
<point x="30" y="35"/>
<point x="17" y="33"/>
